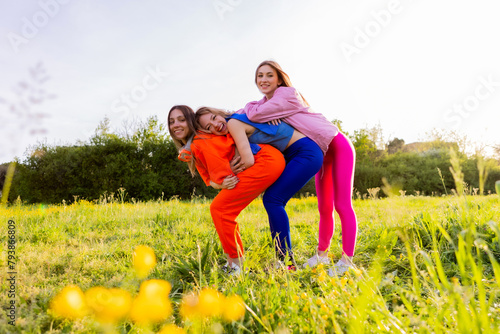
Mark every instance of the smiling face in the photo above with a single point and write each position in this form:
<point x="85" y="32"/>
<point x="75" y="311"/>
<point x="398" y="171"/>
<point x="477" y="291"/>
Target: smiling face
<point x="212" y="123"/>
<point x="267" y="80"/>
<point x="178" y="126"/>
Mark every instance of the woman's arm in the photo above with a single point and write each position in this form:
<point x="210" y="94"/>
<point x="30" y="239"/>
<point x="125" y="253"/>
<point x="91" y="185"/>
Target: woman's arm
<point x="201" y="167"/>
<point x="237" y="130"/>
<point x="228" y="183"/>
<point x="284" y="103"/>
<point x="211" y="157"/>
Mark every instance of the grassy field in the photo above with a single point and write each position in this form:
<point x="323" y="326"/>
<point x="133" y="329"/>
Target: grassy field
<point x="428" y="265"/>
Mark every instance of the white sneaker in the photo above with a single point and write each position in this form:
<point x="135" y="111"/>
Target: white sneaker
<point x="315" y="260"/>
<point x="340" y="268"/>
<point x="234" y="270"/>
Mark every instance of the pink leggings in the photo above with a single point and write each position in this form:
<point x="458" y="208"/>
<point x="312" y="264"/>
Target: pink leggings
<point x="334" y="183"/>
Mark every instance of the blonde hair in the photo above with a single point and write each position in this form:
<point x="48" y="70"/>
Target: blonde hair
<point x="208" y="110"/>
<point x="282" y="76"/>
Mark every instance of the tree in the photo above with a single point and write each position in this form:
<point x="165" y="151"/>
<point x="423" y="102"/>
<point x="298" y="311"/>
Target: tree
<point x="150" y="131"/>
<point x="366" y="149"/>
<point x="395" y="145"/>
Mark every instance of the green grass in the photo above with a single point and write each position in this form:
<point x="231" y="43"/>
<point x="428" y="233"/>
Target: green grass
<point x="429" y="264"/>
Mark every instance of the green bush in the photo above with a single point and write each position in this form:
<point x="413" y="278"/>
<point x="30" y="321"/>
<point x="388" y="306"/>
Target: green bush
<point x="143" y="167"/>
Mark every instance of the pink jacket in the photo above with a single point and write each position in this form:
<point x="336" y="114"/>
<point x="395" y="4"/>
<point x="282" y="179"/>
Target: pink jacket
<point x="287" y="104"/>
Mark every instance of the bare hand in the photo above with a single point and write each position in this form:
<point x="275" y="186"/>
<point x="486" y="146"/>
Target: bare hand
<point x="230" y="182"/>
<point x="237" y="165"/>
<point x="275" y="121"/>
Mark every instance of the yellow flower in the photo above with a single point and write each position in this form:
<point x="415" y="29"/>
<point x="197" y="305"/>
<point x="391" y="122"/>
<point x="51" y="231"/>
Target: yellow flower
<point x="69" y="303"/>
<point x="171" y="329"/>
<point x="343" y="281"/>
<point x="152" y="303"/>
<point x="304" y="295"/>
<point x="357" y="272"/>
<point x="210" y="302"/>
<point x="144" y="260"/>
<point x="189" y="306"/>
<point x="108" y="305"/>
<point x="154" y="288"/>
<point x="296" y="297"/>
<point x="234" y="308"/>
<point x="145" y="310"/>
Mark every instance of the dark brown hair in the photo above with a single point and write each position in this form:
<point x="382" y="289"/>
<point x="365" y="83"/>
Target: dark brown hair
<point x="189" y="115"/>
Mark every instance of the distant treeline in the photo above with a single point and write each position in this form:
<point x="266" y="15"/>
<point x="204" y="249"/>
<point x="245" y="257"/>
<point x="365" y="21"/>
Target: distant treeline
<point x="142" y="164"/>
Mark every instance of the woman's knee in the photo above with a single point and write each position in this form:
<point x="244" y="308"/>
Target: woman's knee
<point x="344" y="208"/>
<point x="325" y="208"/>
<point x="215" y="207"/>
<point x="270" y="200"/>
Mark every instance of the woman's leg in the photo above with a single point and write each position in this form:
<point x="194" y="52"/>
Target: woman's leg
<point x="304" y="158"/>
<point x="324" y="194"/>
<point x="228" y="204"/>
<point x="334" y="187"/>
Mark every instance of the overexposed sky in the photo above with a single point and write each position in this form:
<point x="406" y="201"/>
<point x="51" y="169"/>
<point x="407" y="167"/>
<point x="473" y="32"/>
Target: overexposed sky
<point x="409" y="66"/>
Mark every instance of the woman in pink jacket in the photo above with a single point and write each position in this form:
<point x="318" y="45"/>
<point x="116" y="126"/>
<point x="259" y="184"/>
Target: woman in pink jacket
<point x="334" y="182"/>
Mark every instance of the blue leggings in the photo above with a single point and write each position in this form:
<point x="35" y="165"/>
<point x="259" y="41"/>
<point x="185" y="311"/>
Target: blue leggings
<point x="303" y="160"/>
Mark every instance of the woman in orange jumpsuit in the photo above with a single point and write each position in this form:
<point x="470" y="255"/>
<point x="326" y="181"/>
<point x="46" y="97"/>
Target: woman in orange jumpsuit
<point x="212" y="156"/>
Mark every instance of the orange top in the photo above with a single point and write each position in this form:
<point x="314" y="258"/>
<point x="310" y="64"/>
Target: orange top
<point x="212" y="155"/>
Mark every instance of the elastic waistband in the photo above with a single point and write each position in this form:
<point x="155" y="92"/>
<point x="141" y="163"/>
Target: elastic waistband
<point x="299" y="144"/>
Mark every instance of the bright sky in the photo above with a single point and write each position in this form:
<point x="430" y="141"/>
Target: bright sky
<point x="408" y="65"/>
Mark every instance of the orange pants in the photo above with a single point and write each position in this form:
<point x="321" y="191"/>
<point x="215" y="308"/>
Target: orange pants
<point x="227" y="205"/>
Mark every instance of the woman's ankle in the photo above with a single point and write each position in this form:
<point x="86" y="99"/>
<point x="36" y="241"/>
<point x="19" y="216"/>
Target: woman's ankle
<point x="236" y="261"/>
<point x="323" y="253"/>
<point x="346" y="259"/>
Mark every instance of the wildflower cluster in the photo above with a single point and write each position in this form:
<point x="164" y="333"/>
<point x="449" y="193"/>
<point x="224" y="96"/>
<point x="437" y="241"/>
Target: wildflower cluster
<point x="110" y="306"/>
<point x="210" y="303"/>
<point x="151" y="305"/>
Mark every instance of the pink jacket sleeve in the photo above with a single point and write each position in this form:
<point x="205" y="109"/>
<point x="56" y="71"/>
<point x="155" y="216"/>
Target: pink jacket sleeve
<point x="284" y="103"/>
